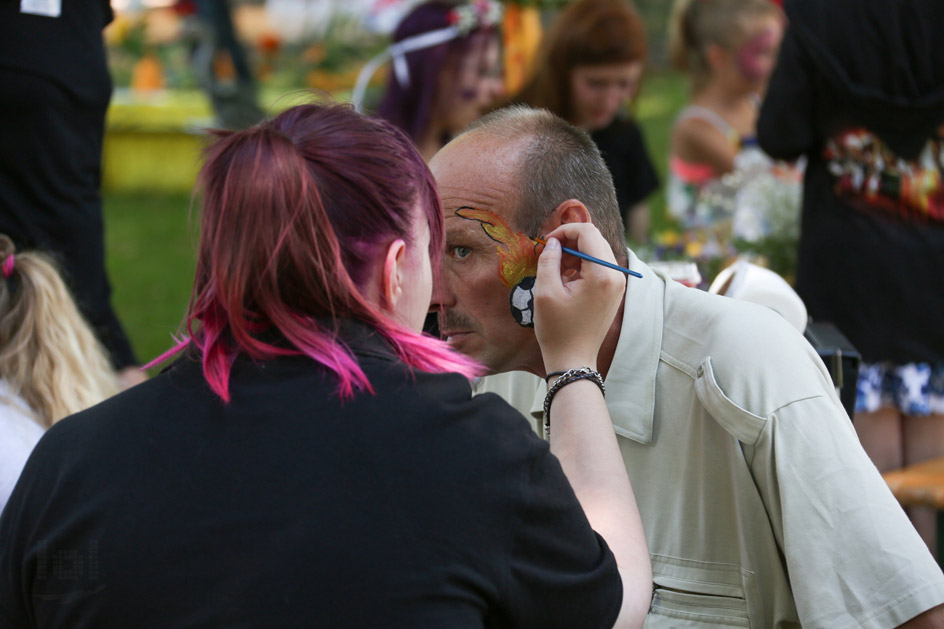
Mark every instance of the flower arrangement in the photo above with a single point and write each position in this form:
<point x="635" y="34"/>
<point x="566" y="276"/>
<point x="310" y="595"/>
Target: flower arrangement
<point x="754" y="213"/>
<point x="477" y="14"/>
<point x="766" y="220"/>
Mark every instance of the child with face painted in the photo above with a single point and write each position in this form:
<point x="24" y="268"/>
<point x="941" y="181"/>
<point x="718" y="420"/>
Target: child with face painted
<point x="728" y="48"/>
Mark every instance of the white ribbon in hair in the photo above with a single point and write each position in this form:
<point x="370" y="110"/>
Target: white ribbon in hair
<point x="398" y="52"/>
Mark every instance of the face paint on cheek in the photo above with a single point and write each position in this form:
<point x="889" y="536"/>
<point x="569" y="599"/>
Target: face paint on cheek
<point x="752" y="55"/>
<point x="521" y="301"/>
<point x="517" y="261"/>
<point x="517" y="254"/>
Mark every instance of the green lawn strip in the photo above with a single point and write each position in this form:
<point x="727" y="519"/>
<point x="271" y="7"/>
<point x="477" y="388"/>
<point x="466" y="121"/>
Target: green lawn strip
<point x="150" y="260"/>
<point x="661" y="98"/>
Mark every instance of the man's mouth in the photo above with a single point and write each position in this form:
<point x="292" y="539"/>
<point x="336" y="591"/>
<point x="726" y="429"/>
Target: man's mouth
<point x="455" y="326"/>
<point x="451" y="334"/>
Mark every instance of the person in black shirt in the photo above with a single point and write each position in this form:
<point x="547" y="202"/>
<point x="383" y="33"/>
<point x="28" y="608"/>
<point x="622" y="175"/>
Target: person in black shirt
<point x="54" y="90"/>
<point x="859" y="90"/>
<point x="311" y="458"/>
<point x="589" y="65"/>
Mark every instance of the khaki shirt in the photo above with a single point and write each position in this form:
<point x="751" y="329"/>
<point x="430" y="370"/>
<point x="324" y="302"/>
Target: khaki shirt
<point x="760" y="507"/>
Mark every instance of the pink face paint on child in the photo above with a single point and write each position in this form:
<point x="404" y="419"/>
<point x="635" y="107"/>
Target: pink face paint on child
<point x="756" y="58"/>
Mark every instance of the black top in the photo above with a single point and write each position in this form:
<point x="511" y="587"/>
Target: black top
<point x="859" y="90"/>
<point x="54" y="91"/>
<point x="419" y="506"/>
<point x="624" y="151"/>
<point x="67" y="50"/>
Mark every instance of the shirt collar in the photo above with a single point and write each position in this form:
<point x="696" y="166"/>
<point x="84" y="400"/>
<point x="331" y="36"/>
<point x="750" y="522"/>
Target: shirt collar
<point x="631" y="380"/>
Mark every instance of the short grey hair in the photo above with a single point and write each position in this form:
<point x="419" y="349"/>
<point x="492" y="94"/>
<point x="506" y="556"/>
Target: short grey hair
<point x="559" y="162"/>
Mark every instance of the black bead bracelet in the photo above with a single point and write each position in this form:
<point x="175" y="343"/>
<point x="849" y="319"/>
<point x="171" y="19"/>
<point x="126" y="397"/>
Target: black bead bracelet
<point x="565" y="378"/>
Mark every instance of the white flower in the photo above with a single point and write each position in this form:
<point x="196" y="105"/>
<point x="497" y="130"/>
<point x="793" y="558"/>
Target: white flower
<point x="479" y="14"/>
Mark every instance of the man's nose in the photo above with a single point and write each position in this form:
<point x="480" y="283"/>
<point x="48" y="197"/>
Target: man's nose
<point x="442" y="294"/>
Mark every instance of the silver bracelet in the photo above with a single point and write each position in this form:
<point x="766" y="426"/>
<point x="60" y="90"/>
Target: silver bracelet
<point x="571" y="375"/>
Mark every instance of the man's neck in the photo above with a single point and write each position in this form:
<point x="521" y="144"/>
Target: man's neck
<point x="610" y="341"/>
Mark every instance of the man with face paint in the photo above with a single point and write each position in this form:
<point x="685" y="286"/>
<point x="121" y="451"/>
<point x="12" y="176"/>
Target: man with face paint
<point x="759" y="506"/>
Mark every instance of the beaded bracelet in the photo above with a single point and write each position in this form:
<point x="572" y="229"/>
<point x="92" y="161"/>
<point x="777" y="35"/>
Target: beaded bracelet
<point x="566" y="377"/>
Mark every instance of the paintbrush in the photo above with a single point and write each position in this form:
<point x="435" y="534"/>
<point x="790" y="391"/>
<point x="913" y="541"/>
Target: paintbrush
<point x="588" y="258"/>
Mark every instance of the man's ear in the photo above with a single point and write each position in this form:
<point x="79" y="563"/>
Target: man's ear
<point x="570" y="211"/>
<point x="391" y="278"/>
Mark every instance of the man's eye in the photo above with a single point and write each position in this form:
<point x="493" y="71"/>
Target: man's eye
<point x="459" y="252"/>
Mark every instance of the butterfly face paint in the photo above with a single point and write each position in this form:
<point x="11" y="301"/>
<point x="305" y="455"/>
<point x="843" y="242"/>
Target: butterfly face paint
<point x="517" y="261"/>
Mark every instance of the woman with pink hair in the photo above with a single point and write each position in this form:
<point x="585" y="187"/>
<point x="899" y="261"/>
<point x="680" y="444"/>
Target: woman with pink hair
<point x="311" y="458"/>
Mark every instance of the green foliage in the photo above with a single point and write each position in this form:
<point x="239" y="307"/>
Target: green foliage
<point x="663" y="94"/>
<point x="655" y="15"/>
<point x="150" y="259"/>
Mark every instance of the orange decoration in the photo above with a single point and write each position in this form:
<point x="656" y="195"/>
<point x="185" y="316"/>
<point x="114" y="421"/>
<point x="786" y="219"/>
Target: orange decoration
<point x="148" y="74"/>
<point x="521" y="35"/>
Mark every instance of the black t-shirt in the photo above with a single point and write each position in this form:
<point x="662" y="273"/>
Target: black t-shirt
<point x="419" y="506"/>
<point x="624" y="151"/>
<point x="859" y="90"/>
<point x="54" y="91"/>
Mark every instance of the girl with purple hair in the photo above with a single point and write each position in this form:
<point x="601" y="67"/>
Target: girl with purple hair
<point x="311" y="458"/>
<point x="445" y="71"/>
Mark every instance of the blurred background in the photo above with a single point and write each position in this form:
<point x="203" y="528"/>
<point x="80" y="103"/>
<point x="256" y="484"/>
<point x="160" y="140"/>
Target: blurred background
<point x="160" y="108"/>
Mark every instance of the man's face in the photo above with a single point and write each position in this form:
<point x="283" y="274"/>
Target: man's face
<point x="477" y="316"/>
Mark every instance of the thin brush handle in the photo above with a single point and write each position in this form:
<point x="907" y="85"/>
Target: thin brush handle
<point x="588" y="258"/>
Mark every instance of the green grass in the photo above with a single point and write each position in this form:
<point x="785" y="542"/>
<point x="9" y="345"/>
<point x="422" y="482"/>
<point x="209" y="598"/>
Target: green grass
<point x="150" y="260"/>
<point x="661" y="98"/>
<point x="151" y="244"/>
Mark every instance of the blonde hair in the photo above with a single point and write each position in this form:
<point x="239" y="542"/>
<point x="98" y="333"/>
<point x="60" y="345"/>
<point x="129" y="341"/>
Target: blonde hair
<point x="697" y="24"/>
<point x="49" y="355"/>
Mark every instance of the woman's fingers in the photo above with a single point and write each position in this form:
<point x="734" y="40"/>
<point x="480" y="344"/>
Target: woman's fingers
<point x="549" y="269"/>
<point x="586" y="238"/>
<point x="573" y="315"/>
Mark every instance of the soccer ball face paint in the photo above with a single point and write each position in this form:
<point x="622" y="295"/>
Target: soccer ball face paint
<point x="518" y="261"/>
<point x="521" y="301"/>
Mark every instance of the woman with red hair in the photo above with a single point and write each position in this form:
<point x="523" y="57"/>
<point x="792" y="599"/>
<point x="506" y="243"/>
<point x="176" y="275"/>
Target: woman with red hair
<point x="588" y="71"/>
<point x="311" y="458"/>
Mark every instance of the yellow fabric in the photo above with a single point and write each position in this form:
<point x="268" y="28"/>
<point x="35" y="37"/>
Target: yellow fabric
<point x="521" y="35"/>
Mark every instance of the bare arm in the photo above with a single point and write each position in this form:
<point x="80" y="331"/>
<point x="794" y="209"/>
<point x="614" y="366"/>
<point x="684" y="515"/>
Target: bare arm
<point x="697" y="141"/>
<point x="571" y="319"/>
<point x="931" y="619"/>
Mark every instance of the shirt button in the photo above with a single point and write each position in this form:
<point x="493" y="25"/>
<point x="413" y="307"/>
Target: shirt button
<point x="700" y="371"/>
